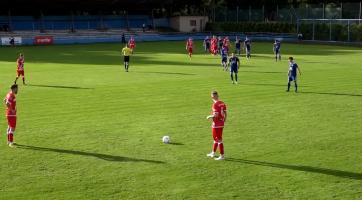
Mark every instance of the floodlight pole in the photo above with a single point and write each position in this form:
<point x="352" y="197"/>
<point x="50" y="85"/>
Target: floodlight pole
<point x="348" y="31"/>
<point x="313" y="30"/>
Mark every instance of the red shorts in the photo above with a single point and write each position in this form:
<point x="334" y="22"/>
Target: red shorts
<point x="131" y="46"/>
<point x="189" y="50"/>
<point x="20" y="73"/>
<point x="217" y="134"/>
<point x="12" y="122"/>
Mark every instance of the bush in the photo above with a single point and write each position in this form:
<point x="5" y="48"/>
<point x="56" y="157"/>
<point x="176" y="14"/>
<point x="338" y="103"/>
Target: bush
<point x="251" y="27"/>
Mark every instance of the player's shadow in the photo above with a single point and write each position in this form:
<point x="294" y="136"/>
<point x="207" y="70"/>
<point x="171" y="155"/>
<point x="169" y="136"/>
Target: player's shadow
<point x="334" y="93"/>
<point x="59" y="87"/>
<point x="89" y="154"/>
<point x="331" y="172"/>
<point x="262" y="72"/>
<point x="166" y="73"/>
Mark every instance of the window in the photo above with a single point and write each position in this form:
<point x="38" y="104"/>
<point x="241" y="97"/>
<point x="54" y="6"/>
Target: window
<point x="192" y="22"/>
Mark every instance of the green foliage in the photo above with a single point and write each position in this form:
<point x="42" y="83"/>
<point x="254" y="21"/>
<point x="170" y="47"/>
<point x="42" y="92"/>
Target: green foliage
<point x="251" y="27"/>
<point x="89" y="130"/>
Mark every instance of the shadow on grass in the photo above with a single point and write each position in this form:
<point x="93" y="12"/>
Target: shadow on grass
<point x="59" y="87"/>
<point x="331" y="172"/>
<point x="89" y="154"/>
<point x="176" y="143"/>
<point x="261" y="72"/>
<point x="333" y="93"/>
<point x="166" y="73"/>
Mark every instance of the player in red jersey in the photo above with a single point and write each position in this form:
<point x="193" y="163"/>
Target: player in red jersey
<point x="226" y="44"/>
<point x="213" y="45"/>
<point x="20" y="68"/>
<point x="10" y="102"/>
<point x="189" y="46"/>
<point x="219" y="117"/>
<point x="132" y="43"/>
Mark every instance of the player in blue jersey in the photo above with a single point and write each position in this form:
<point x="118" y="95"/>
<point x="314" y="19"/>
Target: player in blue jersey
<point x="237" y="45"/>
<point x="292" y="73"/>
<point x="224" y="58"/>
<point x="234" y="63"/>
<point x="207" y="44"/>
<point x="276" y="49"/>
<point x="247" y="46"/>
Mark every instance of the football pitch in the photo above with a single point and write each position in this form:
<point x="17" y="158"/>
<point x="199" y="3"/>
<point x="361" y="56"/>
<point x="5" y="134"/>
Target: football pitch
<point x="88" y="130"/>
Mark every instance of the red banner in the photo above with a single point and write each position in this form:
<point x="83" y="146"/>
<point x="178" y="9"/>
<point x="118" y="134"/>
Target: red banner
<point x="43" y="40"/>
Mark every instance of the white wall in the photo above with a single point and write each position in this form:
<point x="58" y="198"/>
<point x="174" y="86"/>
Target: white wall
<point x="184" y="24"/>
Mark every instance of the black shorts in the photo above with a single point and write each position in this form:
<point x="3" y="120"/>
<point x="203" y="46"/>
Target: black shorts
<point x="126" y="58"/>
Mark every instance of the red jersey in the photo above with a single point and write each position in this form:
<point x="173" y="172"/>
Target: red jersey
<point x="11" y="100"/>
<point x="132" y="43"/>
<point x="20" y="62"/>
<point x="219" y="112"/>
<point x="189" y="44"/>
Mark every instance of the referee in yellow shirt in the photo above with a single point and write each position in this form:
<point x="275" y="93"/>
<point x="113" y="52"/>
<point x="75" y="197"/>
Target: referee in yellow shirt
<point x="126" y="52"/>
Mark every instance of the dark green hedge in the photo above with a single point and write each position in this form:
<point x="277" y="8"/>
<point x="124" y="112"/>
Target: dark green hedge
<point x="322" y="32"/>
<point x="251" y="27"/>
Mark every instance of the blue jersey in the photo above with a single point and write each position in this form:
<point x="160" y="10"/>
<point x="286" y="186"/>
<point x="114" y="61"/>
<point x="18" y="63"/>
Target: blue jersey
<point x="224" y="53"/>
<point x="293" y="69"/>
<point x="234" y="62"/>
<point x="237" y="44"/>
<point x="277" y="46"/>
<point x="247" y="44"/>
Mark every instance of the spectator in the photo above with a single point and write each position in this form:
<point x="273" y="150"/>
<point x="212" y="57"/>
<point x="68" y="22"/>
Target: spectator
<point x="143" y="27"/>
<point x="12" y="41"/>
<point x="123" y="39"/>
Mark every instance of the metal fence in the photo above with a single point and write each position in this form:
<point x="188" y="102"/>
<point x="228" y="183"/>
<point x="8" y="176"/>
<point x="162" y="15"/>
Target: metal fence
<point x="349" y="30"/>
<point x="288" y="13"/>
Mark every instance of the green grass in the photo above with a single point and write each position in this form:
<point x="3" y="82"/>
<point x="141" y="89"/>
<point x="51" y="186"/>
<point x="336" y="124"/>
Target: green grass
<point x="88" y="130"/>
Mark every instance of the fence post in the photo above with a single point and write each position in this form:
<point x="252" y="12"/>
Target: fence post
<point x="360" y="12"/>
<point x="249" y="13"/>
<point x="313" y="30"/>
<point x="10" y="22"/>
<point x="348" y="31"/>
<point x="330" y="30"/>
<point x="341" y="10"/>
<point x="263" y="13"/>
<point x="237" y="14"/>
<point x="323" y="11"/>
<point x="225" y="14"/>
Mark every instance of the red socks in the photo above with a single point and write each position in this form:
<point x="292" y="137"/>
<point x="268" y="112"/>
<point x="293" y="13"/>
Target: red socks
<point x="221" y="146"/>
<point x="214" y="147"/>
<point x="10" y="137"/>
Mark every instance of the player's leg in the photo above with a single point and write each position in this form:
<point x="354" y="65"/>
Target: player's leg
<point x="17" y="76"/>
<point x="231" y="76"/>
<point x="215" y="144"/>
<point x="23" y="77"/>
<point x="289" y="80"/>
<point x="220" y="143"/>
<point x="280" y="56"/>
<point x="11" y="130"/>
<point x="236" y="77"/>
<point x="296" y="85"/>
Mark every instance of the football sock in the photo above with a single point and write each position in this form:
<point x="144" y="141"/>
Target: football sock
<point x="288" y="86"/>
<point x="11" y="137"/>
<point x="296" y="86"/>
<point x="232" y="78"/>
<point x="214" y="147"/>
<point x="23" y="80"/>
<point x="236" y="77"/>
<point x="221" y="146"/>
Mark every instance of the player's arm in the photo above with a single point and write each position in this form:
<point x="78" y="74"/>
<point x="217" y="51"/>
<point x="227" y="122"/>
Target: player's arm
<point x="238" y="63"/>
<point x="225" y="115"/>
<point x="212" y="116"/>
<point x="7" y="103"/>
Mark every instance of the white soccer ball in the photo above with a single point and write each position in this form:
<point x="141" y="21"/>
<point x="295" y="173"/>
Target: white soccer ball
<point x="166" y="139"/>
